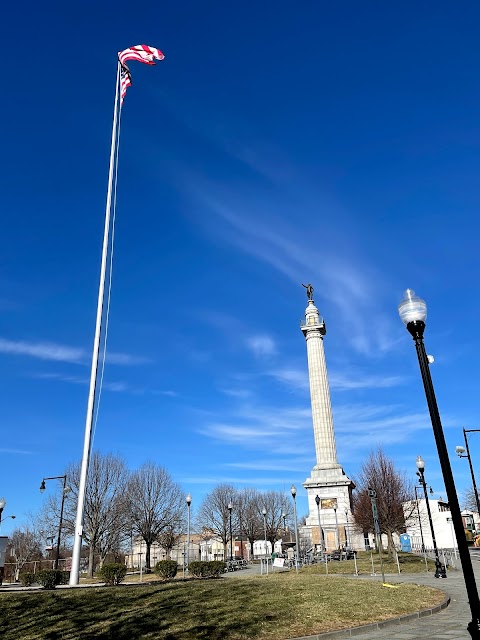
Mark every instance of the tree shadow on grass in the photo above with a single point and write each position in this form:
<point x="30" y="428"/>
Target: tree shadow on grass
<point x="196" y="611"/>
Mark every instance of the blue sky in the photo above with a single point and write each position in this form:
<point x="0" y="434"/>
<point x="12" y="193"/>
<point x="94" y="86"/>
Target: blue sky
<point x="276" y="144"/>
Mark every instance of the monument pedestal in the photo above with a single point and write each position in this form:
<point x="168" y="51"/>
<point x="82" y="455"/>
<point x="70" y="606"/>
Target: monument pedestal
<point x="334" y="489"/>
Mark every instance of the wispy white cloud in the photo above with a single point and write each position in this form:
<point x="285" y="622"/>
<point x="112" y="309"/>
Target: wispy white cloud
<point x="294" y="378"/>
<point x="115" y="386"/>
<point x="297" y="379"/>
<point x="263" y="428"/>
<point x="71" y="379"/>
<point x="255" y="481"/>
<point x="236" y="392"/>
<point x="263" y="230"/>
<point x="62" y="353"/>
<point x="285" y="464"/>
<point x="168" y="392"/>
<point x="261" y="345"/>
<point x="341" y="382"/>
<point x="42" y="350"/>
<point x="21" y="452"/>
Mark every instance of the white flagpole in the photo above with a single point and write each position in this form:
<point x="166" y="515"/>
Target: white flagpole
<point x="77" y="543"/>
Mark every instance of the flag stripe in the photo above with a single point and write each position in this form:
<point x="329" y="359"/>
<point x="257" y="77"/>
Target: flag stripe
<point x="125" y="82"/>
<point x="142" y="53"/>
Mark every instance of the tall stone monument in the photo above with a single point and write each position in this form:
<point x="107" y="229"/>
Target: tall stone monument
<point x="327" y="485"/>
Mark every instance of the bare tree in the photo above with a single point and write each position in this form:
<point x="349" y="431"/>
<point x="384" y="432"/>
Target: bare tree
<point x="171" y="536"/>
<point x="24" y="546"/>
<point x="214" y="516"/>
<point x="155" y="504"/>
<point x="393" y="491"/>
<point x="104" y="513"/>
<point x="252" y="519"/>
<point x="275" y="503"/>
<point x="469" y="500"/>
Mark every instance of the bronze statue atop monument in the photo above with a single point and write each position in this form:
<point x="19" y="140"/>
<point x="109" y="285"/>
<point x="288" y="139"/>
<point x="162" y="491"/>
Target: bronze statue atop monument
<point x="309" y="289"/>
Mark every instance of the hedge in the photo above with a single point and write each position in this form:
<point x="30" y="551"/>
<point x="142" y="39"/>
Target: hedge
<point x="166" y="569"/>
<point x="206" y="569"/>
<point x="49" y="578"/>
<point x="112" y="573"/>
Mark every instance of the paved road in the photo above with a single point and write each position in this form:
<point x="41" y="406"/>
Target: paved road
<point x="449" y="624"/>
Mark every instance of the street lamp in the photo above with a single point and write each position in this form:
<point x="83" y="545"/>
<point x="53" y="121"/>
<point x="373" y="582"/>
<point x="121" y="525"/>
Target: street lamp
<point x="284" y="516"/>
<point x="230" y="507"/>
<point x="293" y="491"/>
<point x="347" y="530"/>
<point x="413" y="313"/>
<point x="439" y="568"/>
<point x="419" y="519"/>
<point x="65" y="492"/>
<point x="188" y="499"/>
<point x="460" y="451"/>
<point x="317" y="500"/>
<point x="3" y="502"/>
<point x="264" y="512"/>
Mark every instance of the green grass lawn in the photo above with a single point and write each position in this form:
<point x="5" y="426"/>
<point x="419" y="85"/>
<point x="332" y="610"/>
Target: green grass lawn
<point x="276" y="607"/>
<point x="409" y="563"/>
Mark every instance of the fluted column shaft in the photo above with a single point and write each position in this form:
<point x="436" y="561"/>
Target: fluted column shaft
<point x="325" y="448"/>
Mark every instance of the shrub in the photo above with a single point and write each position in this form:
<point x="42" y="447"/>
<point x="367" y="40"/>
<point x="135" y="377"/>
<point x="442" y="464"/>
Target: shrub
<point x="49" y="578"/>
<point x="166" y="569"/>
<point x="27" y="578"/>
<point x="207" y="569"/>
<point x="112" y="573"/>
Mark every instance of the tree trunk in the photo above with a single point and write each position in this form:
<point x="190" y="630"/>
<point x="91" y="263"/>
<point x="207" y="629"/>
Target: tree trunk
<point x="147" y="557"/>
<point x="392" y="552"/>
<point x="91" y="560"/>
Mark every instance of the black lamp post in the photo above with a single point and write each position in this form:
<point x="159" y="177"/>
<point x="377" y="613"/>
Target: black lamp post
<point x="413" y="313"/>
<point x="439" y="568"/>
<point x="419" y="519"/>
<point x="188" y="500"/>
<point x="293" y="491"/>
<point x="230" y="507"/>
<point x="65" y="491"/>
<point x="460" y="452"/>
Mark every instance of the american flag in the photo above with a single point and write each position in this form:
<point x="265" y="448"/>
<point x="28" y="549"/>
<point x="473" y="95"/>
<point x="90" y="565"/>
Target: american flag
<point x="125" y="82"/>
<point x="142" y="53"/>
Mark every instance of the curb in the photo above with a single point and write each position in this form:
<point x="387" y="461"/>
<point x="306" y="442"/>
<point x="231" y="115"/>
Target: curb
<point x="375" y="626"/>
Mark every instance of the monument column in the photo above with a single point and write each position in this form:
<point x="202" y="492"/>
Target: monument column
<point x="328" y="482"/>
<point x="314" y="329"/>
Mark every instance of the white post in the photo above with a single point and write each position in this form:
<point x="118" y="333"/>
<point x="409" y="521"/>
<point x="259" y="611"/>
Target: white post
<point x="355" y="561"/>
<point x="77" y="542"/>
<point x="453" y="537"/>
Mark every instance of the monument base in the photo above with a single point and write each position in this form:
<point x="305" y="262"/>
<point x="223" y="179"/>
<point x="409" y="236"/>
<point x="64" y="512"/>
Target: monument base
<point x="334" y="488"/>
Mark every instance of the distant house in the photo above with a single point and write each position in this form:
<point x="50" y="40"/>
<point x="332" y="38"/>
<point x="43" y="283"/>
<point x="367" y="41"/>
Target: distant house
<point x="418" y="525"/>
<point x="136" y="557"/>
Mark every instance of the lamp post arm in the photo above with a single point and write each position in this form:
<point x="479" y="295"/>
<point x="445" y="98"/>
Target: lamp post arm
<point x="471" y="471"/>
<point x="473" y="599"/>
